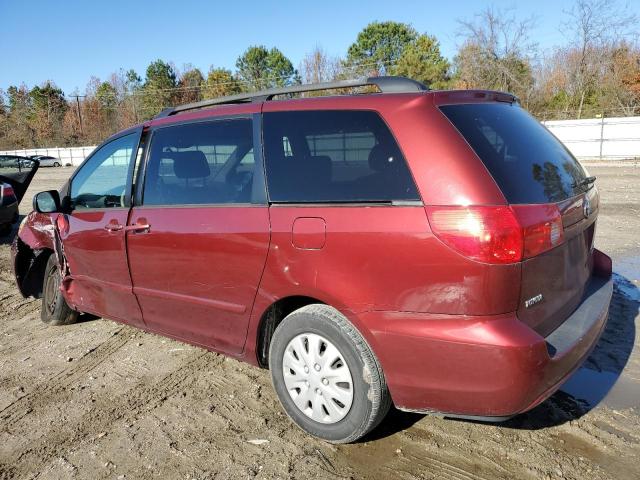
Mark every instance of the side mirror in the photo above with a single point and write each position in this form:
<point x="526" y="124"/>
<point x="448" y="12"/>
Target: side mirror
<point x="47" y="202"/>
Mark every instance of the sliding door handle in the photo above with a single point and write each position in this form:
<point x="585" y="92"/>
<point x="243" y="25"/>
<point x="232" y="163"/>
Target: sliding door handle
<point x="138" y="227"/>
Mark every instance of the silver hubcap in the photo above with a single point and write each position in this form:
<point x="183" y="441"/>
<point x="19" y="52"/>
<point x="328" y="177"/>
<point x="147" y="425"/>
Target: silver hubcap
<point x="51" y="289"/>
<point x="317" y="378"/>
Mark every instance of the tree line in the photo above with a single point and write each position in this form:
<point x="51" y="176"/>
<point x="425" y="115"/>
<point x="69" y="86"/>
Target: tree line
<point x="595" y="72"/>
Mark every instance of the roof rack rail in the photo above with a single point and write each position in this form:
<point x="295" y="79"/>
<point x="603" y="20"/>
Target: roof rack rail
<point x="387" y="84"/>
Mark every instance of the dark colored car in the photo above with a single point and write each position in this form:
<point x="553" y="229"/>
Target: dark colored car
<point x="16" y="174"/>
<point x="430" y="249"/>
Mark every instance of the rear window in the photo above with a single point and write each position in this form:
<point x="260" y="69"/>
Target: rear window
<point x="527" y="162"/>
<point x="334" y="157"/>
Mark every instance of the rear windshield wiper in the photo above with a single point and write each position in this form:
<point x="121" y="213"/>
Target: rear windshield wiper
<point x="584" y="182"/>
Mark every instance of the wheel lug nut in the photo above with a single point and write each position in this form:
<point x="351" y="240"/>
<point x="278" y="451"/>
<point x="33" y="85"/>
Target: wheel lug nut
<point x="325" y="381"/>
<point x="317" y="367"/>
<point x="306" y="369"/>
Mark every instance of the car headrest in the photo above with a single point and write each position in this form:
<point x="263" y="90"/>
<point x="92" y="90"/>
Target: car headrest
<point x="382" y="158"/>
<point x="190" y="164"/>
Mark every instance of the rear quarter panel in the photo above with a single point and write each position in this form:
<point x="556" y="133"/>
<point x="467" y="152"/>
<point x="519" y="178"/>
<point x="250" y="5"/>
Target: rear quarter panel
<point x="382" y="258"/>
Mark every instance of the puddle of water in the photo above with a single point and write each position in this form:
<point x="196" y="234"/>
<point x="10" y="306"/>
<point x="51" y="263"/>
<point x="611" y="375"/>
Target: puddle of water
<point x="594" y="388"/>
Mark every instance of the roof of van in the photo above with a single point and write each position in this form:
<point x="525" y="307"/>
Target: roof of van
<point x="391" y="90"/>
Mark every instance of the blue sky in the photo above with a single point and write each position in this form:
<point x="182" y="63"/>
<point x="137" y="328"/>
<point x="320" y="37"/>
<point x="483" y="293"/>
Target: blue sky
<point x="69" y="41"/>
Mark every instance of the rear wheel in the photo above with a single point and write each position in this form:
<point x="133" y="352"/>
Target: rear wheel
<point x="326" y="376"/>
<point x="56" y="164"/>
<point x="55" y="310"/>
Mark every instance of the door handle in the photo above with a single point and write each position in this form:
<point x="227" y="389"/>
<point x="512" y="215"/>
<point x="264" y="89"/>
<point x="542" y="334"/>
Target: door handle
<point x="137" y="227"/>
<point x="113" y="227"/>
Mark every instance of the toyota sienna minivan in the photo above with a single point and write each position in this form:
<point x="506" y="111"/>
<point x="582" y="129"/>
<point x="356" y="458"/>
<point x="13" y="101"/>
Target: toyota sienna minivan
<point x="427" y="249"/>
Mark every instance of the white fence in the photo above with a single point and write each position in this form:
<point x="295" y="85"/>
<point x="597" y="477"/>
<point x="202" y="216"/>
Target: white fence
<point x="590" y="139"/>
<point x="599" y="138"/>
<point x="68" y="156"/>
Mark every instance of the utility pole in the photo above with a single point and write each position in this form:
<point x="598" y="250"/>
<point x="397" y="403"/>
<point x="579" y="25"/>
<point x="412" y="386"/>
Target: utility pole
<point x="135" y="110"/>
<point x="601" y="134"/>
<point x="79" y="112"/>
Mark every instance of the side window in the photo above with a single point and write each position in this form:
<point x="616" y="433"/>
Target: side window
<point x="9" y="164"/>
<point x="333" y="156"/>
<point x="200" y="163"/>
<point x="102" y="181"/>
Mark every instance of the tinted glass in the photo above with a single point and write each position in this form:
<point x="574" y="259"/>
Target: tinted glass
<point x="10" y="164"/>
<point x="527" y="162"/>
<point x="102" y="181"/>
<point x="201" y="163"/>
<point x="334" y="156"/>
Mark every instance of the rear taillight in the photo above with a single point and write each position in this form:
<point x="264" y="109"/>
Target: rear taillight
<point x="497" y="234"/>
<point x="541" y="228"/>
<point x="7" y="190"/>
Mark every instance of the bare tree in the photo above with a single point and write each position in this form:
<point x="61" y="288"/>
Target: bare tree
<point x="620" y="85"/>
<point x="496" y="52"/>
<point x="595" y="28"/>
<point x="317" y="66"/>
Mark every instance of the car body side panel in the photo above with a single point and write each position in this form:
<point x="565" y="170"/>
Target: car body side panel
<point x="196" y="270"/>
<point x="99" y="280"/>
<point x="382" y="258"/>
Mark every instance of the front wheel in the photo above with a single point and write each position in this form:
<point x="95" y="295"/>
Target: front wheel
<point x="327" y="378"/>
<point x="54" y="309"/>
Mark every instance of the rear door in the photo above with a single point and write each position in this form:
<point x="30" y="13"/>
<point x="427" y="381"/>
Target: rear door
<point x="199" y="234"/>
<point x="532" y="167"/>
<point x="17" y="172"/>
<point x="345" y="212"/>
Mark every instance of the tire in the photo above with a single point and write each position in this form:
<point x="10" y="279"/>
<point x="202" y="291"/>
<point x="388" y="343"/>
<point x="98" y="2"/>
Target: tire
<point x="334" y="411"/>
<point x="54" y="309"/>
<point x="56" y="164"/>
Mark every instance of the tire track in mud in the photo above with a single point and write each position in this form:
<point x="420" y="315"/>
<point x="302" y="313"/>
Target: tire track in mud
<point x="409" y="464"/>
<point x="57" y="384"/>
<point x="7" y="472"/>
<point x="11" y="302"/>
<point x="444" y="469"/>
<point x="129" y="406"/>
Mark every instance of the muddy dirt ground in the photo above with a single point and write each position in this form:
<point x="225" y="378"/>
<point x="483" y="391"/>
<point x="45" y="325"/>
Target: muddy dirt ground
<point x="102" y="400"/>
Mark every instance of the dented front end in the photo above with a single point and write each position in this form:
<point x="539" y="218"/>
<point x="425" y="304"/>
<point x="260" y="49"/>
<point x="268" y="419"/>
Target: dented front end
<point x="36" y="240"/>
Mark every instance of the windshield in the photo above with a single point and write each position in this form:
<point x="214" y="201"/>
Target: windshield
<point x="527" y="162"/>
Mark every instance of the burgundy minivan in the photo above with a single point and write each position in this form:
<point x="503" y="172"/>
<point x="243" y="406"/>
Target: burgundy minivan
<point x="430" y="249"/>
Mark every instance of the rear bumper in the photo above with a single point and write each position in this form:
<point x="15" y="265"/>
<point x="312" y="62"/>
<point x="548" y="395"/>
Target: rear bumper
<point x="490" y="368"/>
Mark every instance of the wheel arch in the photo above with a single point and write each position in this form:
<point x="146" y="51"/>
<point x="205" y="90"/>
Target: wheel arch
<point x="275" y="312"/>
<point x="271" y="318"/>
<point x="29" y="268"/>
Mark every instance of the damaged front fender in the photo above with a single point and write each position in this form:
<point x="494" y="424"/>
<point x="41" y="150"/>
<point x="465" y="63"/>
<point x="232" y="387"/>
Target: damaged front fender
<point x="36" y="240"/>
